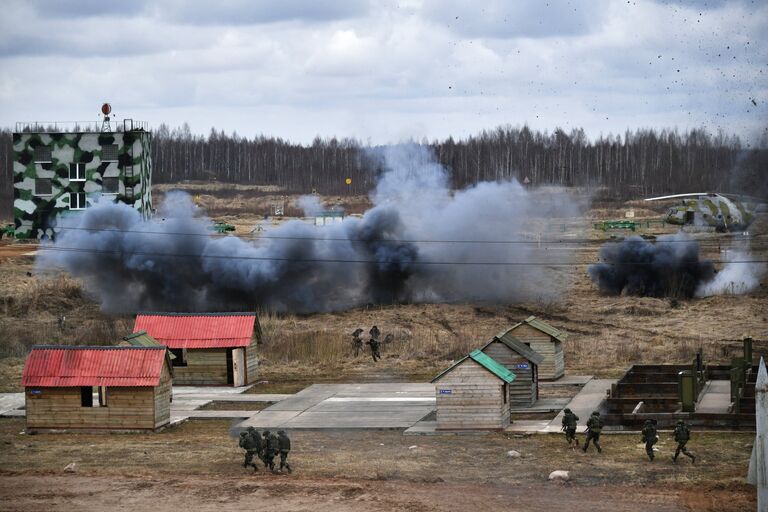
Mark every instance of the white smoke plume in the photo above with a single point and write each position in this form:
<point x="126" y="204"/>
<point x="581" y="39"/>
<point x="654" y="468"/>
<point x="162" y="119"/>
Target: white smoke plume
<point x="737" y="277"/>
<point x="310" y="205"/>
<point x="420" y="242"/>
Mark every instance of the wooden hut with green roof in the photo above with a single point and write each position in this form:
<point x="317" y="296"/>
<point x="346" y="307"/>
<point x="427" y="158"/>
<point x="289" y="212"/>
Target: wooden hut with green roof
<point x="547" y="341"/>
<point x="521" y="360"/>
<point x="473" y="394"/>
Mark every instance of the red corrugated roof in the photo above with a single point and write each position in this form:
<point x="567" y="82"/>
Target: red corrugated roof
<point x="195" y="330"/>
<point x="49" y="366"/>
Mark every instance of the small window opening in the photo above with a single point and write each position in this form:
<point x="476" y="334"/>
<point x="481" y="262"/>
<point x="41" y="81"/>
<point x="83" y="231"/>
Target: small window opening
<point x="109" y="153"/>
<point x="43" y="154"/>
<point x="504" y="391"/>
<point x="43" y="187"/>
<point x="180" y="358"/>
<point x="86" y="396"/>
<point x="77" y="172"/>
<point x="110" y="185"/>
<point x="77" y="201"/>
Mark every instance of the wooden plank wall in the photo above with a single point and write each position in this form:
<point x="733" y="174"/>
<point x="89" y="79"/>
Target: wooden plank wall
<point x="162" y="396"/>
<point x="476" y="399"/>
<point x="251" y="362"/>
<point x="522" y="391"/>
<point x="553" y="366"/>
<point x="127" y="408"/>
<point x="204" y="367"/>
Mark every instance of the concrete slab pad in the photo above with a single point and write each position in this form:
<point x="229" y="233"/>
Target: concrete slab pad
<point x="590" y="398"/>
<point x="715" y="398"/>
<point x="527" y="426"/>
<point x="567" y="380"/>
<point x="543" y="405"/>
<point x="10" y="402"/>
<point x="350" y="406"/>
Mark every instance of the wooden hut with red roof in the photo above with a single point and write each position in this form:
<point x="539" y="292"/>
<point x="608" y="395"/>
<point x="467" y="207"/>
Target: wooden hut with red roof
<point x="97" y="388"/>
<point x="209" y="348"/>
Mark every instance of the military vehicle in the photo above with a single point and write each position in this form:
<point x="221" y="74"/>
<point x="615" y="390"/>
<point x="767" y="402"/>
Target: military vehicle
<point x="222" y="227"/>
<point x="724" y="212"/>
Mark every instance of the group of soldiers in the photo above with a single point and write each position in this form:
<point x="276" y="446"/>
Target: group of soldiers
<point x="266" y="448"/>
<point x="375" y="344"/>
<point x="650" y="437"/>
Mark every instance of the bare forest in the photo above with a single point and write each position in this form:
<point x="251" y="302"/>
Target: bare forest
<point x="637" y="163"/>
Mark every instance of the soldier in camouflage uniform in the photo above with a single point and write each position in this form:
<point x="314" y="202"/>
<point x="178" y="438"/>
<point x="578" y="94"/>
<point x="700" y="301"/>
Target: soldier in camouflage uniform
<point x="357" y="341"/>
<point x="682" y="436"/>
<point x="594" y="427"/>
<point x="284" y="444"/>
<point x="650" y="437"/>
<point x="271" y="449"/>
<point x="375" y="348"/>
<point x="570" y="420"/>
<point x="251" y="443"/>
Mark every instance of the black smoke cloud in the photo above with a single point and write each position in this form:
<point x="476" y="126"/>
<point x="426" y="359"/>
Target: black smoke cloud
<point x="670" y="267"/>
<point x="172" y="262"/>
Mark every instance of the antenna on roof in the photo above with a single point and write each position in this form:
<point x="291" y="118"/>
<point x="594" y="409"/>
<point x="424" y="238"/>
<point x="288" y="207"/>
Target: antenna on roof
<point x="106" y="109"/>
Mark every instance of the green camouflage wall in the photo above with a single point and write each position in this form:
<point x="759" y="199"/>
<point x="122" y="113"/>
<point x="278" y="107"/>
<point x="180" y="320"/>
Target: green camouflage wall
<point x="36" y="215"/>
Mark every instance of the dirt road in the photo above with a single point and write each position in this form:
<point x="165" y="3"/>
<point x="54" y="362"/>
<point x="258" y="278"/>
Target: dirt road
<point x="197" y="466"/>
<point x="86" y="494"/>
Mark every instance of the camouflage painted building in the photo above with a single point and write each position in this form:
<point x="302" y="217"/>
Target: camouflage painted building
<point x="59" y="173"/>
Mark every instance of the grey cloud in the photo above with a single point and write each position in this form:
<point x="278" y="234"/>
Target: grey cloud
<point x="88" y="8"/>
<point x="245" y="12"/>
<point x="524" y="18"/>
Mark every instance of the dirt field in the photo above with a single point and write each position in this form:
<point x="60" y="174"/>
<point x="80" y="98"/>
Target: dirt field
<point x="198" y="466"/>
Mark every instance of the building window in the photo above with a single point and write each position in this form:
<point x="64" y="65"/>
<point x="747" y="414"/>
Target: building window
<point x="77" y="201"/>
<point x="129" y="192"/>
<point x="43" y="154"/>
<point x="43" y="187"/>
<point x="505" y="392"/>
<point x="128" y="171"/>
<point x="109" y="153"/>
<point x="77" y="172"/>
<point x="86" y="396"/>
<point x="180" y="356"/>
<point x="110" y="185"/>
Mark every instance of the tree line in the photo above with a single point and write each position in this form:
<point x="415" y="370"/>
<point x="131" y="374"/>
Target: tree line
<point x="635" y="164"/>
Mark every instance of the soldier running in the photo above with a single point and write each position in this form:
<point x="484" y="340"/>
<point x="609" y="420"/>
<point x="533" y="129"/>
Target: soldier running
<point x="271" y="449"/>
<point x="594" y="426"/>
<point x="650" y="437"/>
<point x="682" y="435"/>
<point x="375" y="343"/>
<point x="251" y="442"/>
<point x="284" y="444"/>
<point x="375" y="347"/>
<point x="357" y="341"/>
<point x="570" y="421"/>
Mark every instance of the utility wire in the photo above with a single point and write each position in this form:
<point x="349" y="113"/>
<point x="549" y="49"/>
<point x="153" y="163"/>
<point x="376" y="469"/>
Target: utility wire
<point x="395" y="240"/>
<point x="333" y="260"/>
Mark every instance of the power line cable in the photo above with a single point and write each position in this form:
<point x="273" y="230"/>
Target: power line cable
<point x="335" y="260"/>
<point x="708" y="243"/>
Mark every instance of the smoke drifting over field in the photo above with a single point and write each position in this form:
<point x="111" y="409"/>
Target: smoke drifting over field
<point x="670" y="267"/>
<point x="172" y="262"/>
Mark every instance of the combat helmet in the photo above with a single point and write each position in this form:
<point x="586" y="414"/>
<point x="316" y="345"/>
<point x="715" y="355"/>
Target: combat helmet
<point x="566" y="410"/>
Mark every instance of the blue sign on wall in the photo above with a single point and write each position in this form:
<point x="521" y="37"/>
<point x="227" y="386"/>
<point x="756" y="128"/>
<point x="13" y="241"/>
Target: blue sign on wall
<point x="523" y="365"/>
<point x="446" y="391"/>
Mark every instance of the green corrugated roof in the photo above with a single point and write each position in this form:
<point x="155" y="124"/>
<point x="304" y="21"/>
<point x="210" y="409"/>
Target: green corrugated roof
<point x="491" y="365"/>
<point x="486" y="362"/>
<point x="543" y="327"/>
<point x="142" y="339"/>
<point x="516" y="345"/>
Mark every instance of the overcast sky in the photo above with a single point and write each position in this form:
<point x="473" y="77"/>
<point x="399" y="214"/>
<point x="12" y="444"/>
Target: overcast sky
<point x="382" y="71"/>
